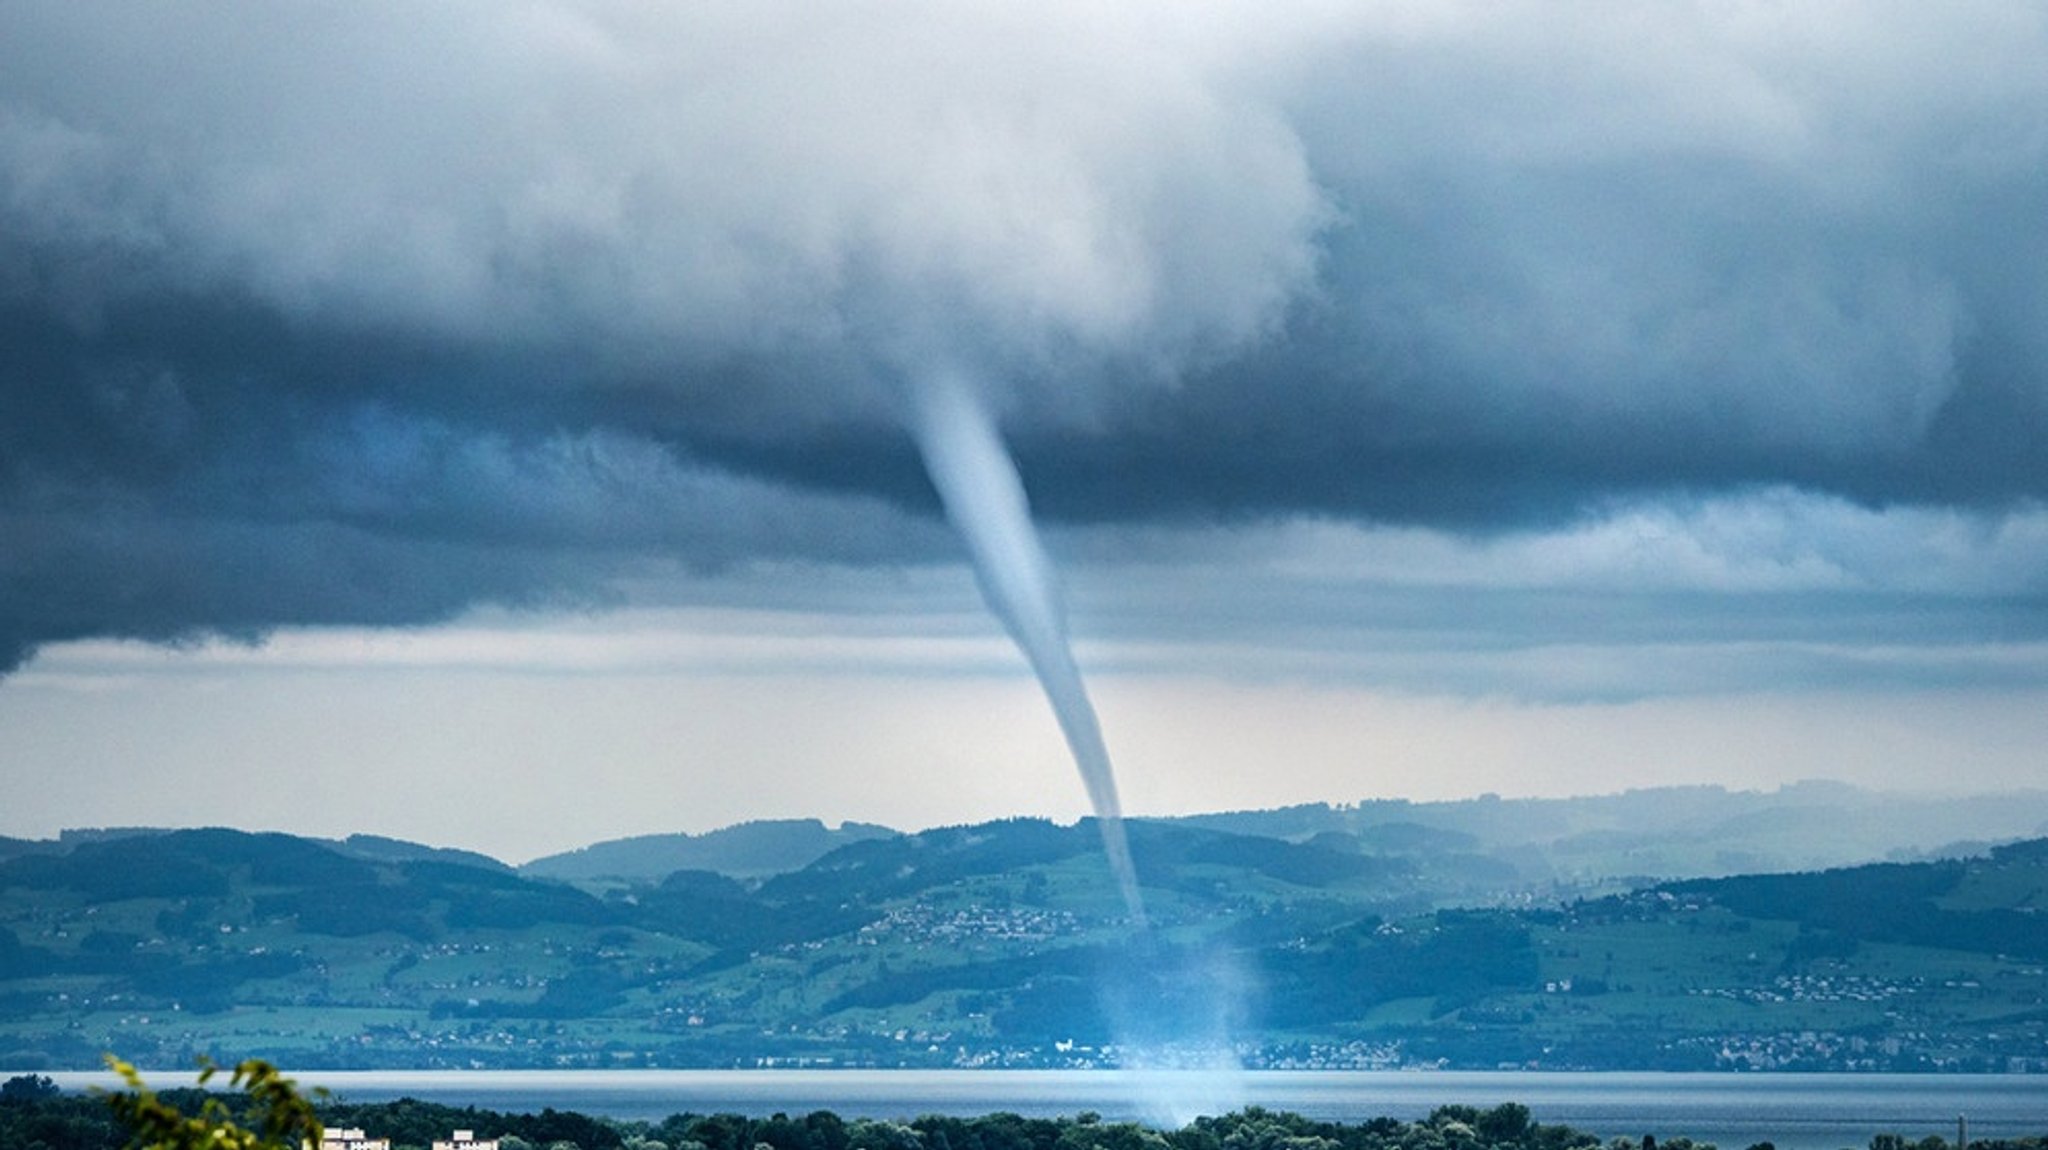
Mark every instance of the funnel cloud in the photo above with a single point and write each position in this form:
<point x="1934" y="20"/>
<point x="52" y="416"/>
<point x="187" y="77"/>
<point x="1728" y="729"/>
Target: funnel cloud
<point x="984" y="498"/>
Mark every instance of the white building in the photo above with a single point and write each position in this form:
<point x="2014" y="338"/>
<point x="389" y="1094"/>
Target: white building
<point x="466" y="1140"/>
<point x="351" y="1140"/>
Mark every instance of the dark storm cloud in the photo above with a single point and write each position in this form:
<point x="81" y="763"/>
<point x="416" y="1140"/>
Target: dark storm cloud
<point x="366" y="314"/>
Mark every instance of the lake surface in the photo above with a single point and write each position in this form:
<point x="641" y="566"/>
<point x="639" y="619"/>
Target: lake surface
<point x="1794" y="1111"/>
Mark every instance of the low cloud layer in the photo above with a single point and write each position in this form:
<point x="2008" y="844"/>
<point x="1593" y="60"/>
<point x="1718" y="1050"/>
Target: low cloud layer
<point x="372" y="314"/>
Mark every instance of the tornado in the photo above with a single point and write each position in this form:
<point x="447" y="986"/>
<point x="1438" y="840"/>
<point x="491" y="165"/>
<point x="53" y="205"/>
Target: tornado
<point x="984" y="499"/>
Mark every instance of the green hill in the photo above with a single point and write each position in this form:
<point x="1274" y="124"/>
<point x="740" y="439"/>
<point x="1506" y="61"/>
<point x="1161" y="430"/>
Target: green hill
<point x="1995" y="905"/>
<point x="747" y="850"/>
<point x="378" y="848"/>
<point x="1005" y="944"/>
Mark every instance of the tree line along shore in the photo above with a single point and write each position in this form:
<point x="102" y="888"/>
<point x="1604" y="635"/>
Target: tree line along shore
<point x="36" y="1115"/>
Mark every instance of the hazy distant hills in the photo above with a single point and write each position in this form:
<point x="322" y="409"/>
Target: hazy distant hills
<point x="1482" y="849"/>
<point x="748" y="850"/>
<point x="1377" y="935"/>
<point x="372" y="847"/>
<point x="1664" y="832"/>
<point x="380" y="849"/>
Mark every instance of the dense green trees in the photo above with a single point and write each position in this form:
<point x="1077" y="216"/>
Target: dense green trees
<point x="35" y="1115"/>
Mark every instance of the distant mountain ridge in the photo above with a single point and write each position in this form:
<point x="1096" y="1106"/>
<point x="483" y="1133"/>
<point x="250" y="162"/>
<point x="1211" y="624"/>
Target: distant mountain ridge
<point x="750" y="850"/>
<point x="1663" y="832"/>
<point x="1489" y="847"/>
<point x="375" y="848"/>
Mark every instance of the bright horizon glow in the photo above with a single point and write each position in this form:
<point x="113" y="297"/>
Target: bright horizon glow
<point x="525" y="737"/>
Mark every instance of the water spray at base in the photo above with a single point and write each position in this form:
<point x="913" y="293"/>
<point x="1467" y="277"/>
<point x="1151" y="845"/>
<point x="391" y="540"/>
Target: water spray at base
<point x="985" y="500"/>
<point x="1172" y="1008"/>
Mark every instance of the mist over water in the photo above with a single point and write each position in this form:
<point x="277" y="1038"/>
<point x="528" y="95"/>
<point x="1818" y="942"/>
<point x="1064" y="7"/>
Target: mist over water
<point x="984" y="499"/>
<point x="1175" y="1009"/>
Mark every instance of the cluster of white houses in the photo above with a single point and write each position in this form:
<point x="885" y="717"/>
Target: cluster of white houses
<point x="357" y="1140"/>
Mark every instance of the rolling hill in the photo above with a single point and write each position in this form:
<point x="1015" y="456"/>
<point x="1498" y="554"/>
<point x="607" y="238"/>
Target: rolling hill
<point x="1004" y="944"/>
<point x="747" y="850"/>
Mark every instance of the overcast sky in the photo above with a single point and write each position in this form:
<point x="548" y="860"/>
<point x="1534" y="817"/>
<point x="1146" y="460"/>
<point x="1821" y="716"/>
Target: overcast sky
<point x="487" y="423"/>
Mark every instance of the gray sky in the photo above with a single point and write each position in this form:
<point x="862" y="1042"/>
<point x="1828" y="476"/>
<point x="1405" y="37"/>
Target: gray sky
<point x="1418" y="399"/>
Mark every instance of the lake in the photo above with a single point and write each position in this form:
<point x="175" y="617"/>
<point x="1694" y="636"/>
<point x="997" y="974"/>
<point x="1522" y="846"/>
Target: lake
<point x="1794" y="1111"/>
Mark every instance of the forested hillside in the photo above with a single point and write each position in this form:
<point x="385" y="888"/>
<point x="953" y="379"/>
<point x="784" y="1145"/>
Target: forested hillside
<point x="1005" y="944"/>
